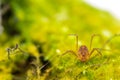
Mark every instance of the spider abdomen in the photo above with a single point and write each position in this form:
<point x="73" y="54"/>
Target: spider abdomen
<point x="83" y="53"/>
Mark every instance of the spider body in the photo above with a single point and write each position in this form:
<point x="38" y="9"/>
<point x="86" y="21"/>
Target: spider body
<point x="83" y="53"/>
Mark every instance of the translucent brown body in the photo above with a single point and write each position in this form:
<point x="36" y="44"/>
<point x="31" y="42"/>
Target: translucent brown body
<point x="83" y="53"/>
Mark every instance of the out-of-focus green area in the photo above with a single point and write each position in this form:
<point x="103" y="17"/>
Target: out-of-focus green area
<point x="41" y="28"/>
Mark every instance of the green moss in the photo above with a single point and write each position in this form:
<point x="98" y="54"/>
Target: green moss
<point x="41" y="30"/>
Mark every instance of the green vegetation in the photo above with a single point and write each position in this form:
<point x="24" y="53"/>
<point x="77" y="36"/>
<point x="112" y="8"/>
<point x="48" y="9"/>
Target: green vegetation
<point x="41" y="28"/>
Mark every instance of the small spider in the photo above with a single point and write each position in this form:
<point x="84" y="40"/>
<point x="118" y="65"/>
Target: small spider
<point x="10" y="50"/>
<point x="83" y="54"/>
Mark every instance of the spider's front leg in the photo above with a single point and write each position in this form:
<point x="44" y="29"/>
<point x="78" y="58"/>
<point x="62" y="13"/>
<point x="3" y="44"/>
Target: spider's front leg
<point x="95" y="49"/>
<point x="70" y="51"/>
<point x="92" y="37"/>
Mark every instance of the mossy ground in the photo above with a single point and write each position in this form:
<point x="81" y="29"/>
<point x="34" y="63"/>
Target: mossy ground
<point x="41" y="28"/>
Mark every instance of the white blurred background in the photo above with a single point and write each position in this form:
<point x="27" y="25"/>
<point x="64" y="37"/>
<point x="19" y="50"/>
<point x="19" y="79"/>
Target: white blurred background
<point x="112" y="6"/>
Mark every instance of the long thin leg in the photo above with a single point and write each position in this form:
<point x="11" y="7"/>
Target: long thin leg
<point x="95" y="49"/>
<point x="76" y="40"/>
<point x="70" y="51"/>
<point x="92" y="39"/>
<point x="116" y="35"/>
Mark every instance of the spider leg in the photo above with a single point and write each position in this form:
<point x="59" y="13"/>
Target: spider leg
<point x="70" y="51"/>
<point x="92" y="37"/>
<point x="95" y="49"/>
<point x="76" y="40"/>
<point x="116" y="35"/>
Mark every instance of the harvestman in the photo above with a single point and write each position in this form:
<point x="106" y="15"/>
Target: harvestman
<point x="82" y="52"/>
